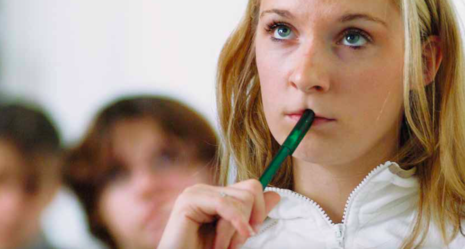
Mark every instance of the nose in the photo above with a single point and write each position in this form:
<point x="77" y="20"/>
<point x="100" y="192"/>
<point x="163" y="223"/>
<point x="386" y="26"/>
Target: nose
<point x="310" y="73"/>
<point x="146" y="184"/>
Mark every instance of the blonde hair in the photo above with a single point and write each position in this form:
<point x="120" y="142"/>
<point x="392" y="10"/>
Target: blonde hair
<point x="432" y="135"/>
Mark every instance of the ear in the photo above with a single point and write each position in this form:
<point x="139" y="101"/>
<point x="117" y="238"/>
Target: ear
<point x="432" y="58"/>
<point x="49" y="177"/>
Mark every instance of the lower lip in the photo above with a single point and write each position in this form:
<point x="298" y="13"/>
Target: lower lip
<point x="317" y="121"/>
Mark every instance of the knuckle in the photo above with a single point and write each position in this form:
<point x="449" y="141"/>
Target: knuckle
<point x="237" y="219"/>
<point x="188" y="191"/>
<point x="255" y="186"/>
<point x="192" y="189"/>
<point x="223" y="202"/>
<point x="248" y="197"/>
<point x="192" y="192"/>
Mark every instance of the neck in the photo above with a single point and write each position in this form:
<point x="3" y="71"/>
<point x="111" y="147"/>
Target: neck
<point x="330" y="185"/>
<point x="35" y="242"/>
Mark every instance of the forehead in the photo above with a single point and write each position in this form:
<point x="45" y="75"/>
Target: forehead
<point x="134" y="140"/>
<point x="131" y="132"/>
<point x="11" y="161"/>
<point x="16" y="165"/>
<point x="137" y="141"/>
<point x="328" y="9"/>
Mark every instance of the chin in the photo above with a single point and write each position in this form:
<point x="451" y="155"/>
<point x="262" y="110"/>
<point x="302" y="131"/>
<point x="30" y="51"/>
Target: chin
<point x="318" y="153"/>
<point x="308" y="154"/>
<point x="10" y="243"/>
<point x="152" y="238"/>
<point x="151" y="242"/>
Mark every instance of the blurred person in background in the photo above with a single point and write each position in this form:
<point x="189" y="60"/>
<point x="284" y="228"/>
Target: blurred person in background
<point x="30" y="175"/>
<point x="136" y="158"/>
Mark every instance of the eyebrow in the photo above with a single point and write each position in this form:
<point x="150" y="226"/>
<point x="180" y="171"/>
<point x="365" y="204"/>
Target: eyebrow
<point x="283" y="13"/>
<point x="352" y="17"/>
<point x="345" y="18"/>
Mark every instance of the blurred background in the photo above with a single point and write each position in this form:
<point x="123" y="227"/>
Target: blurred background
<point x="74" y="56"/>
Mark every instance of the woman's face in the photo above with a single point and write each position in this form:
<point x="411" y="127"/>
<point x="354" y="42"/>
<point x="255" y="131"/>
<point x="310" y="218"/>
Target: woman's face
<point x="136" y="202"/>
<point x="344" y="60"/>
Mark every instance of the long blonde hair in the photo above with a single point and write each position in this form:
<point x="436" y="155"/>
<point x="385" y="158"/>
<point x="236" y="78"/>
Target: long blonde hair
<point x="432" y="135"/>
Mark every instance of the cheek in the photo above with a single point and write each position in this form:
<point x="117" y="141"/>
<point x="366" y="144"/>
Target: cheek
<point x="372" y="103"/>
<point x="118" y="212"/>
<point x="273" y="66"/>
<point x="183" y="177"/>
<point x="371" y="81"/>
<point x="380" y="91"/>
<point x="273" y="75"/>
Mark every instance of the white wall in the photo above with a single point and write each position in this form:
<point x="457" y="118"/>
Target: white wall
<point x="75" y="55"/>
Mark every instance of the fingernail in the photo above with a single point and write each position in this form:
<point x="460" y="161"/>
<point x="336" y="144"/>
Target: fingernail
<point x="251" y="231"/>
<point x="256" y="228"/>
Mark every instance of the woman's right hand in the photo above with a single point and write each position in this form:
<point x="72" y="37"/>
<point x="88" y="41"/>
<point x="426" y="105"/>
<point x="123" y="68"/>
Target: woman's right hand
<point x="239" y="210"/>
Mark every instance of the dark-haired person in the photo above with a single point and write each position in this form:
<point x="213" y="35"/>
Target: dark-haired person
<point x="30" y="175"/>
<point x="139" y="154"/>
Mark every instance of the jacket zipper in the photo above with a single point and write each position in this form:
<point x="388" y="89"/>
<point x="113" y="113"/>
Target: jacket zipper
<point x="340" y="227"/>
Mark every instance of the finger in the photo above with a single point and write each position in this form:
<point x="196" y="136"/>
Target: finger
<point x="200" y="205"/>
<point x="271" y="200"/>
<point x="258" y="213"/>
<point x="203" y="204"/>
<point x="224" y="233"/>
<point x="237" y="213"/>
<point x="241" y="192"/>
<point x="237" y="241"/>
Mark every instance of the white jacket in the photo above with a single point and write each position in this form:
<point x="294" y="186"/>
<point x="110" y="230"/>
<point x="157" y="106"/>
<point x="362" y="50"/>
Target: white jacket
<point x="379" y="214"/>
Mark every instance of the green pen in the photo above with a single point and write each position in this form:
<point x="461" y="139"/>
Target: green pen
<point x="289" y="146"/>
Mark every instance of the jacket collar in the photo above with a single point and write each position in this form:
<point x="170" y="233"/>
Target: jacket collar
<point x="387" y="181"/>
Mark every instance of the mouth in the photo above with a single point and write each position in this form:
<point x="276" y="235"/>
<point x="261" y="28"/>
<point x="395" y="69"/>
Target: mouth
<point x="319" y="118"/>
<point x="157" y="215"/>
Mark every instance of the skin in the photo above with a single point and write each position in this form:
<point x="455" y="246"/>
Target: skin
<point x="22" y="203"/>
<point x="350" y="72"/>
<point x="136" y="203"/>
<point x="341" y="58"/>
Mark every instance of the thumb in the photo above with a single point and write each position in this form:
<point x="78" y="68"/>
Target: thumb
<point x="271" y="200"/>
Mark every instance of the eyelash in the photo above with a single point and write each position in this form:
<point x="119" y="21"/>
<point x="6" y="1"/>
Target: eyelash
<point x="357" y="31"/>
<point x="270" y="28"/>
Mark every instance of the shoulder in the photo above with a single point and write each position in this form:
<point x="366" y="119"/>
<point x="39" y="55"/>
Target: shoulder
<point x="434" y="238"/>
<point x="459" y="240"/>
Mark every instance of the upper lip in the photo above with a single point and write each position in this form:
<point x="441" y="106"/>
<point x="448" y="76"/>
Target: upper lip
<point x="317" y="115"/>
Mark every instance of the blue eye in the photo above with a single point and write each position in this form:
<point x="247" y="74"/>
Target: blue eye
<point x="354" y="39"/>
<point x="167" y="158"/>
<point x="164" y="160"/>
<point x="282" y="32"/>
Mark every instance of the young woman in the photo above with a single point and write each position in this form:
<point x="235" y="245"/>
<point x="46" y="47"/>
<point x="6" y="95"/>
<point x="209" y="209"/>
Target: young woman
<point x="138" y="156"/>
<point x="383" y="164"/>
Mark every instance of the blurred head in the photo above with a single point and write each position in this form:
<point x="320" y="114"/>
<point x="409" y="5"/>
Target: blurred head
<point x="30" y="172"/>
<point x="385" y="76"/>
<point x="137" y="157"/>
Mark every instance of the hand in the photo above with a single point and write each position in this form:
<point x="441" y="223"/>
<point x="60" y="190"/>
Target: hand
<point x="238" y="211"/>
